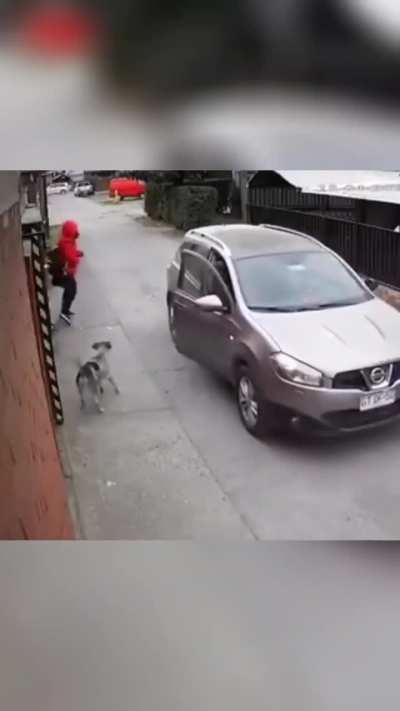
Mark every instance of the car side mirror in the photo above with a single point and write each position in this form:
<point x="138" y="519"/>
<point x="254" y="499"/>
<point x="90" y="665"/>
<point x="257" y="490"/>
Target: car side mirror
<point x="211" y="304"/>
<point x="372" y="284"/>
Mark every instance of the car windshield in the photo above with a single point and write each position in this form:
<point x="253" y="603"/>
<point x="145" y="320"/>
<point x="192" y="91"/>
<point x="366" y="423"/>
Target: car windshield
<point x="298" y="281"/>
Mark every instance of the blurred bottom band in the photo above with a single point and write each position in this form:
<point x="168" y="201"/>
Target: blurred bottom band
<point x="181" y="625"/>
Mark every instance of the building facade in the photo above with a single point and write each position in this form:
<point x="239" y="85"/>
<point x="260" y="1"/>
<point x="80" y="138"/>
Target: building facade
<point x="33" y="492"/>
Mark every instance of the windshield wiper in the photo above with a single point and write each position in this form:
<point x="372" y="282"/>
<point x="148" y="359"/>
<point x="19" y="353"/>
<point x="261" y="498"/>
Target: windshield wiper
<point x="299" y="309"/>
<point x="272" y="309"/>
<point x="335" y="304"/>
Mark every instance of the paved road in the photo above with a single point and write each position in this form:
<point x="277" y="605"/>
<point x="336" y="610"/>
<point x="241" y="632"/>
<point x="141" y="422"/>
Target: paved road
<point x="170" y="459"/>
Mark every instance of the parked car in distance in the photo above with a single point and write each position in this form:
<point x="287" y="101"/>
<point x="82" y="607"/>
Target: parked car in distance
<point x="58" y="189"/>
<point x="303" y="338"/>
<point x="84" y="189"/>
<point x="127" y="187"/>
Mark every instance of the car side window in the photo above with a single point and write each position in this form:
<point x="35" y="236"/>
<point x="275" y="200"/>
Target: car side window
<point x="179" y="252"/>
<point x="178" y="255"/>
<point x="184" y="246"/>
<point x="191" y="276"/>
<point x="214" y="284"/>
<point x="199" y="248"/>
<point x="196" y="247"/>
<point x="219" y="264"/>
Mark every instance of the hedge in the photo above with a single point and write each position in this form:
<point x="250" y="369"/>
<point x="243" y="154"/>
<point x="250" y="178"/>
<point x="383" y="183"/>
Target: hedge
<point x="193" y="206"/>
<point x="184" y="206"/>
<point x="156" y="202"/>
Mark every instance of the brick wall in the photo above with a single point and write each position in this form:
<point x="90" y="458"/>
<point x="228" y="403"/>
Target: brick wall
<point x="33" y="496"/>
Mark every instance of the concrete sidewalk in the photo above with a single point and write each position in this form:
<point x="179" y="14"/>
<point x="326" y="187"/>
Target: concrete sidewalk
<point x="135" y="472"/>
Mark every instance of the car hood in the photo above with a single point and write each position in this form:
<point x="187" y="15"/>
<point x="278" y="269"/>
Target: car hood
<point x="338" y="339"/>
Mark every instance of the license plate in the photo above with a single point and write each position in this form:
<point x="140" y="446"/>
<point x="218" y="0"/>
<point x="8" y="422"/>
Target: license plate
<point x="374" y="400"/>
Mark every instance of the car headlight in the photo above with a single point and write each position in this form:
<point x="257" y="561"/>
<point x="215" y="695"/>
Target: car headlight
<point x="291" y="369"/>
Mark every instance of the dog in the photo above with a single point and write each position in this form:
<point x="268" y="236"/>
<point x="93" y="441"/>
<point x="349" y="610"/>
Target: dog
<point x="94" y="373"/>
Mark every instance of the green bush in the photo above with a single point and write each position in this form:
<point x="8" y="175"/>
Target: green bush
<point x="193" y="206"/>
<point x="165" y="203"/>
<point x="152" y="202"/>
<point x="184" y="206"/>
<point x="156" y="202"/>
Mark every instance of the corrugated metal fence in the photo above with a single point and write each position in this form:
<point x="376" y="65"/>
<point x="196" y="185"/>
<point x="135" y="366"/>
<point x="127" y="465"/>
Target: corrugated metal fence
<point x="296" y="199"/>
<point x="370" y="250"/>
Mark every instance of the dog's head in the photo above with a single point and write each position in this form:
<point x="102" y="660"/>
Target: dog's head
<point x="102" y="347"/>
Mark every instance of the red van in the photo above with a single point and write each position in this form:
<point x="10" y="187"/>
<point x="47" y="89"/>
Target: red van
<point x="127" y="187"/>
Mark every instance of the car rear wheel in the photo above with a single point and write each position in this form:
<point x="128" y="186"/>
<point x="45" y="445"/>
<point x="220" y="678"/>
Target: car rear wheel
<point x="171" y="320"/>
<point x="259" y="417"/>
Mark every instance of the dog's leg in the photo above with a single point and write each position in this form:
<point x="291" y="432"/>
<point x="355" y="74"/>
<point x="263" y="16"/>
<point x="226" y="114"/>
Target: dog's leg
<point x="114" y="384"/>
<point x="97" y="398"/>
<point x="81" y="398"/>
<point x="80" y="390"/>
<point x="99" y="408"/>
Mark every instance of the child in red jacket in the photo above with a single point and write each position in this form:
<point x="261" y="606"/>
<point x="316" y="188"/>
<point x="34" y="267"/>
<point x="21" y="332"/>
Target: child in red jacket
<point x="70" y="256"/>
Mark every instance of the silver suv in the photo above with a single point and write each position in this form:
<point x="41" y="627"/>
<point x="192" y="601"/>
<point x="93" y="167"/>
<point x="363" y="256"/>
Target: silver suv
<point x="299" y="334"/>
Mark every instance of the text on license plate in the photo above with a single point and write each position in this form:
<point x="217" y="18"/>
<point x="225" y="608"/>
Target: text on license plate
<point x="374" y="400"/>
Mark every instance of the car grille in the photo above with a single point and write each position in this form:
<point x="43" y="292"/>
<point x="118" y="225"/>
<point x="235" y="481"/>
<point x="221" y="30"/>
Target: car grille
<point x="351" y="419"/>
<point x="354" y="380"/>
<point x="396" y="373"/>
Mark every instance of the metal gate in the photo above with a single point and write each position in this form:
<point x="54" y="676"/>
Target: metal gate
<point x="35" y="235"/>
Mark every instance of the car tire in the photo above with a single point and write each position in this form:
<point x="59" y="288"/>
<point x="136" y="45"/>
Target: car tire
<point x="171" y="316"/>
<point x="259" y="417"/>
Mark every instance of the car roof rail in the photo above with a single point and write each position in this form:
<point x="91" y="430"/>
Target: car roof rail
<point x="291" y="231"/>
<point x="210" y="237"/>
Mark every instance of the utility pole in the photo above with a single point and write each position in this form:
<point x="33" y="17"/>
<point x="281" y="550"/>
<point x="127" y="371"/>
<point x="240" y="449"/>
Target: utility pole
<point x="242" y="177"/>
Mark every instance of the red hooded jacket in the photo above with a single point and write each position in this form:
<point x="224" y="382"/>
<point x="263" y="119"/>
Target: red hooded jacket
<point x="67" y="246"/>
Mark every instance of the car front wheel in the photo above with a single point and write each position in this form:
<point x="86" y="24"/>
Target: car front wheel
<point x="259" y="417"/>
<point x="171" y="320"/>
